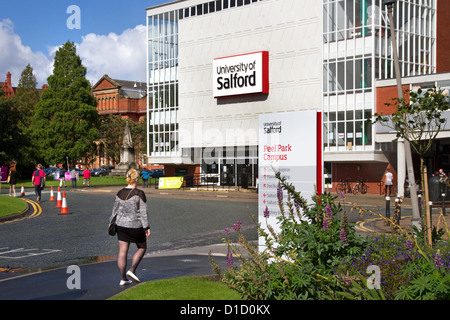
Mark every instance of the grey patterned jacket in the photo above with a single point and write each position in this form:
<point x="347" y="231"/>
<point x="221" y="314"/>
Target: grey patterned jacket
<point x="130" y="206"/>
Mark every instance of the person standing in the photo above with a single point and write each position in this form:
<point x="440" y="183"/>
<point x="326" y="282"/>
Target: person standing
<point x="145" y="178"/>
<point x="73" y="177"/>
<point x="389" y="181"/>
<point x="12" y="180"/>
<point x="130" y="211"/>
<point x="62" y="176"/>
<point x="38" y="180"/>
<point x="87" y="177"/>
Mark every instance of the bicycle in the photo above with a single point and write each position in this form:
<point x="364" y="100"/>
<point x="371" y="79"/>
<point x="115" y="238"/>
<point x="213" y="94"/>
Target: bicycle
<point x="360" y="186"/>
<point x="343" y="187"/>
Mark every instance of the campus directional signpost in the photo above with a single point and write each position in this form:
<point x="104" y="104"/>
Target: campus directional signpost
<point x="289" y="143"/>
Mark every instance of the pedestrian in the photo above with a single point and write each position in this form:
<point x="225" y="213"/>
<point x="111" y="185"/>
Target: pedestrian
<point x="130" y="210"/>
<point x="62" y="176"/>
<point x="73" y="177"/>
<point x="12" y="179"/>
<point x="389" y="181"/>
<point x="38" y="180"/>
<point x="442" y="175"/>
<point x="87" y="177"/>
<point x="145" y="178"/>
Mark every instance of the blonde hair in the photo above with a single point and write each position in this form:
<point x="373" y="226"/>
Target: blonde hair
<point x="132" y="176"/>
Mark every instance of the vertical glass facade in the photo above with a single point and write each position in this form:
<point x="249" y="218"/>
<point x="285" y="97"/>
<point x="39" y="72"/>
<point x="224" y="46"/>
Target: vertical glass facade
<point x="162" y="102"/>
<point x="357" y="50"/>
<point x="163" y="84"/>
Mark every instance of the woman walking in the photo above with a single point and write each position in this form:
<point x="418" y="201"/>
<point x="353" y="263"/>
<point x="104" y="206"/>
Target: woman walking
<point x="12" y="180"/>
<point x="130" y="210"/>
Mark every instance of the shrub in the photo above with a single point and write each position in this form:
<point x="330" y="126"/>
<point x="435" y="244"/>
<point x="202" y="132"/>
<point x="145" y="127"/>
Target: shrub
<point x="317" y="255"/>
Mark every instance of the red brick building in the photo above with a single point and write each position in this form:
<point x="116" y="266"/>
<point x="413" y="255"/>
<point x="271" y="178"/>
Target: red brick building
<point x="125" y="98"/>
<point x="7" y="86"/>
<point x="119" y="97"/>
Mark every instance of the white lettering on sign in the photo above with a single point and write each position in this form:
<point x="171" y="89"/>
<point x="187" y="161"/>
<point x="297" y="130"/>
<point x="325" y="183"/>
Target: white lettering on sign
<point x="242" y="74"/>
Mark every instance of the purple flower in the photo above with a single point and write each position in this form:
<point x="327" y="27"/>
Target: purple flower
<point x="266" y="212"/>
<point x="328" y="211"/>
<point x="230" y="259"/>
<point x="237" y="226"/>
<point x="438" y="261"/>
<point x="325" y="223"/>
<point x="297" y="204"/>
<point x="227" y="230"/>
<point x="409" y="245"/>
<point x="279" y="193"/>
<point x="343" y="236"/>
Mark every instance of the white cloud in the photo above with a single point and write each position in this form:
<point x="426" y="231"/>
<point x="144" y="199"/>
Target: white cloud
<point x="14" y="56"/>
<point x="120" y="56"/>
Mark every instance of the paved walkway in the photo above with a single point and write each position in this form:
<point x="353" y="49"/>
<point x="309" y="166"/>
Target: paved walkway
<point x="100" y="281"/>
<point x="377" y="204"/>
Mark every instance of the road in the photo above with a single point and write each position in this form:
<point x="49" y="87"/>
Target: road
<point x="48" y="239"/>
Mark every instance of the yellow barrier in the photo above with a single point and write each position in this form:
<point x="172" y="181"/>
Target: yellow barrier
<point x="170" y="183"/>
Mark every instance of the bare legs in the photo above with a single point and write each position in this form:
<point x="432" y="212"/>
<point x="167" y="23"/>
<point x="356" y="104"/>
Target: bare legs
<point x="122" y="258"/>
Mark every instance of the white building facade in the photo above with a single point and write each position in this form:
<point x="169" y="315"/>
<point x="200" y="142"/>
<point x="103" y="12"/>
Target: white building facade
<point x="325" y="55"/>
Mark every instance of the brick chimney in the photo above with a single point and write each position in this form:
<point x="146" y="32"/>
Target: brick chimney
<point x="8" y="78"/>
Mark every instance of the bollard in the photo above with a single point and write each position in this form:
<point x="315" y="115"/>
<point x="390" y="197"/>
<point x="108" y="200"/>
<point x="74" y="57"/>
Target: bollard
<point x="443" y="203"/>
<point x="388" y="204"/>
<point x="431" y="214"/>
<point x="397" y="211"/>
<point x="419" y="196"/>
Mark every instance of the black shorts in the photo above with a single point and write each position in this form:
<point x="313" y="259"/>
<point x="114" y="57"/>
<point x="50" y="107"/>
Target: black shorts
<point x="135" y="235"/>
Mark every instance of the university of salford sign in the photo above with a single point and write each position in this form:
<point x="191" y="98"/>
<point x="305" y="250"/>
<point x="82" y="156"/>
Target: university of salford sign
<point x="241" y="74"/>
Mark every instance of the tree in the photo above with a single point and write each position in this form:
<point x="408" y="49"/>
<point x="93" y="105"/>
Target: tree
<point x="418" y="120"/>
<point x="27" y="94"/>
<point x="66" y="122"/>
<point x="11" y="138"/>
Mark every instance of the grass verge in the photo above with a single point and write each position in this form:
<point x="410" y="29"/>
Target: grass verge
<point x="11" y="205"/>
<point x="183" y="288"/>
<point x="95" y="181"/>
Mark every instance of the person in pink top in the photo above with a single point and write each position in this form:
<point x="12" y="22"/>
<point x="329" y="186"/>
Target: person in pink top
<point x="87" y="177"/>
<point x="38" y="180"/>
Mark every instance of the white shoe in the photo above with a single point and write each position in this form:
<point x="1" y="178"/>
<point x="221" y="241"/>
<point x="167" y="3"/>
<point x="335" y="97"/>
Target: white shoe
<point x="133" y="276"/>
<point x="125" y="282"/>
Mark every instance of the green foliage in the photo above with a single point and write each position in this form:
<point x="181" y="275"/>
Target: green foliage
<point x="11" y="137"/>
<point x="318" y="255"/>
<point x="297" y="262"/>
<point x="65" y="122"/>
<point x="418" y="120"/>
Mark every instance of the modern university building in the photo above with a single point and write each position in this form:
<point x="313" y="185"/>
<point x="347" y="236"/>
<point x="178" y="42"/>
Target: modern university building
<point x="215" y="66"/>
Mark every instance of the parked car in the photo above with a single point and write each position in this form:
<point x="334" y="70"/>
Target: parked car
<point x="156" y="173"/>
<point x="102" y="171"/>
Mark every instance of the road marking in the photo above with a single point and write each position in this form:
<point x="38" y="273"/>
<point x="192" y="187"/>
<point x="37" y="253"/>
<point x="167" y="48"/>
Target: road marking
<point x="36" y="211"/>
<point x="360" y="225"/>
<point x="36" y="207"/>
<point x="24" y="253"/>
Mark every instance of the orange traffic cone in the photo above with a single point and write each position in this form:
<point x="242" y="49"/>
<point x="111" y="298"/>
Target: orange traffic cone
<point x="58" y="199"/>
<point x="64" y="209"/>
<point x="22" y="191"/>
<point x="52" y="196"/>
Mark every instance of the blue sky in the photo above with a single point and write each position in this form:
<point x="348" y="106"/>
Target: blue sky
<point x="31" y="31"/>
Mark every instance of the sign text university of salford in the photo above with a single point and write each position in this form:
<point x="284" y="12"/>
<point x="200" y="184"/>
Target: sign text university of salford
<point x="241" y="74"/>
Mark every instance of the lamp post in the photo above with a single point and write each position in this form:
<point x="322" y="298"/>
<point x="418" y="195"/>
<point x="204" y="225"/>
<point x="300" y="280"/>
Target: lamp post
<point x="404" y="149"/>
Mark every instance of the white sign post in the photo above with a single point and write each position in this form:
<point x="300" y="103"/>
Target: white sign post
<point x="290" y="143"/>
